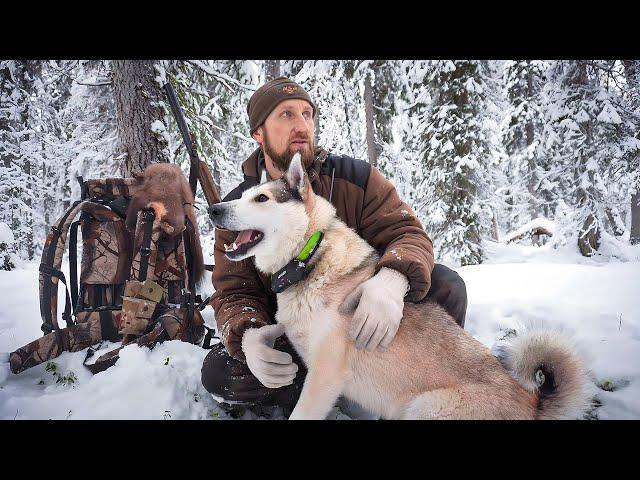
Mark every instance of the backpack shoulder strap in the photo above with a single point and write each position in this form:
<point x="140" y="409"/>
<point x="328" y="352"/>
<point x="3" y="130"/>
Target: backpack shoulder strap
<point x="51" y="262"/>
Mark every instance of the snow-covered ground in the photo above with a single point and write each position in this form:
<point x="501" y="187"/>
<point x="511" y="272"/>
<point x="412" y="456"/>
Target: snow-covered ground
<point x="595" y="301"/>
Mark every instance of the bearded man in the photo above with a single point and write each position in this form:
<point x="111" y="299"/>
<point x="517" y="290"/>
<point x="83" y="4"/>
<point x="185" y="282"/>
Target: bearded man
<point x="263" y="368"/>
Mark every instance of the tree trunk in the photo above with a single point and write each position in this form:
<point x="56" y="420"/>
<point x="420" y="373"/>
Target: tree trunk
<point x="368" y="110"/>
<point x="632" y="74"/>
<point x="137" y="97"/>
<point x="530" y="133"/>
<point x="635" y="218"/>
<point x="272" y="69"/>
<point x="495" y="233"/>
<point x="589" y="236"/>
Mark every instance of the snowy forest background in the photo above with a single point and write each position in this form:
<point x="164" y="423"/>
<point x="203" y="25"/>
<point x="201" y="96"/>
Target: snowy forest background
<point x="483" y="151"/>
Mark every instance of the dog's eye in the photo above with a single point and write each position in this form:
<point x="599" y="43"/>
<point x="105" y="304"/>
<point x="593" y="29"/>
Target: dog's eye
<point x="261" y="198"/>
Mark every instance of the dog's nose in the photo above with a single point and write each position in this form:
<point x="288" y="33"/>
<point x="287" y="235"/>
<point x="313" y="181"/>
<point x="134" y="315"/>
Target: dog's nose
<point x="215" y="211"/>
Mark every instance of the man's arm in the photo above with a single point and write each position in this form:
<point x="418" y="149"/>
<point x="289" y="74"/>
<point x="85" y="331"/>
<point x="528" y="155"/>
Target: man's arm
<point x="240" y="301"/>
<point x="391" y="226"/>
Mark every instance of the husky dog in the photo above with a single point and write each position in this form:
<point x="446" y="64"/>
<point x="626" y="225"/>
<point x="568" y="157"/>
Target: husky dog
<point x="433" y="369"/>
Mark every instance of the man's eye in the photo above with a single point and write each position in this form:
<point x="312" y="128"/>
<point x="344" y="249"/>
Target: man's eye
<point x="261" y="198"/>
<point x="286" y="113"/>
<point x="307" y="114"/>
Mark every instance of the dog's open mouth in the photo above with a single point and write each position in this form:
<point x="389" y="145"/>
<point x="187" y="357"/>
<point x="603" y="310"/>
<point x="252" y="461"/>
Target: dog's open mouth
<point x="245" y="240"/>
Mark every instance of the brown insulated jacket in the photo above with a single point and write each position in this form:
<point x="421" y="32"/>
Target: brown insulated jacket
<point x="364" y="199"/>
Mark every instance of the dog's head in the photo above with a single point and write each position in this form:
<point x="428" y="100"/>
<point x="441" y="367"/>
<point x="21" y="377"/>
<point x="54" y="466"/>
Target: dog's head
<point x="272" y="219"/>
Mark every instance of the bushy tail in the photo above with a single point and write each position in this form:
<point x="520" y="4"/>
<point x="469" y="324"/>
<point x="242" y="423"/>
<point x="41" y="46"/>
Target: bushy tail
<point x="547" y="363"/>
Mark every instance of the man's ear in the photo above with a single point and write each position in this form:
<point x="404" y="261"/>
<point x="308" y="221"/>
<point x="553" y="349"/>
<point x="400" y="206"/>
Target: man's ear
<point x="257" y="135"/>
<point x="296" y="176"/>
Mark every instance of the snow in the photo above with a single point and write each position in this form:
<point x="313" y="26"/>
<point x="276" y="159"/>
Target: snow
<point x="609" y="115"/>
<point x="6" y="235"/>
<point x="594" y="301"/>
<point x="539" y="222"/>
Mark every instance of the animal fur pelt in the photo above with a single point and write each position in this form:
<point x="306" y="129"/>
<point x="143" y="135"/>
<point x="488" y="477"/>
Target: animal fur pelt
<point x="164" y="188"/>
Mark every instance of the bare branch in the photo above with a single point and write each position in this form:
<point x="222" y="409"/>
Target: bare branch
<point x="221" y="77"/>
<point x="99" y="84"/>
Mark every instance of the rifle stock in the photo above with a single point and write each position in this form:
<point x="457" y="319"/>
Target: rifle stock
<point x="206" y="182"/>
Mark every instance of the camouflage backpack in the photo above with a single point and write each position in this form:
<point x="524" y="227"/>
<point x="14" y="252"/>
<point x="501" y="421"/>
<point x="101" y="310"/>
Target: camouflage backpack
<point x="146" y="296"/>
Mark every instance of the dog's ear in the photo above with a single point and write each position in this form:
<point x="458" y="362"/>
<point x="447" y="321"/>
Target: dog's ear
<point x="296" y="176"/>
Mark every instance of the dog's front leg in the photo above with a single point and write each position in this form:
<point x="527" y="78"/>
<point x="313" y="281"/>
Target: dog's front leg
<point x="326" y="376"/>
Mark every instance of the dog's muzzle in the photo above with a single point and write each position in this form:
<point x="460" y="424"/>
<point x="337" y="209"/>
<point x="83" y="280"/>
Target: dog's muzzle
<point x="217" y="213"/>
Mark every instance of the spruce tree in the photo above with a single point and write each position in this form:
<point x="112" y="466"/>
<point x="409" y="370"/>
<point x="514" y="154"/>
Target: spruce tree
<point x="456" y="160"/>
<point x="589" y="138"/>
<point x="522" y="135"/>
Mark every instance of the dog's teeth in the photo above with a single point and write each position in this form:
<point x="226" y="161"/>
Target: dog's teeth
<point x="230" y="248"/>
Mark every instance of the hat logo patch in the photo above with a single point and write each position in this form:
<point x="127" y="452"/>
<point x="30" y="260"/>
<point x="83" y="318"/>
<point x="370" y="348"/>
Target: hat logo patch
<point x="289" y="89"/>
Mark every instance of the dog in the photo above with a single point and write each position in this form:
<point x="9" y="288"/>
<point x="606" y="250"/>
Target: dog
<point x="433" y="369"/>
<point x="163" y="188"/>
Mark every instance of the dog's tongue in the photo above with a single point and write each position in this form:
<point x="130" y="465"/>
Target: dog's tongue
<point x="245" y="236"/>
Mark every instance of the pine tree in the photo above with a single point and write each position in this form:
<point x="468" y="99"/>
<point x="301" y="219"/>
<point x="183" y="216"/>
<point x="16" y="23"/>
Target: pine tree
<point x="456" y="157"/>
<point x="89" y="118"/>
<point x="337" y="88"/>
<point x="400" y="123"/>
<point x="632" y="77"/>
<point x="589" y="137"/>
<point x="19" y="81"/>
<point x="522" y="138"/>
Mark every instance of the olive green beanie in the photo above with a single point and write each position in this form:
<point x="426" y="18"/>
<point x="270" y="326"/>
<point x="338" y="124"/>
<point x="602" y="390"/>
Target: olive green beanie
<point x="269" y="95"/>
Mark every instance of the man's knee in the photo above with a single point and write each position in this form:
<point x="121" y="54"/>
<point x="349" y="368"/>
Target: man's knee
<point x="232" y="380"/>
<point x="449" y="290"/>
<point x="215" y="370"/>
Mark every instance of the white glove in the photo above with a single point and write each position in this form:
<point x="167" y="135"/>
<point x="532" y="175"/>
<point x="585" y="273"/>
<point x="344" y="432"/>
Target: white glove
<point x="378" y="304"/>
<point x="272" y="367"/>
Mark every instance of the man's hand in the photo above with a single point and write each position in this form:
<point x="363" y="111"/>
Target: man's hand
<point x="272" y="367"/>
<point x="378" y="305"/>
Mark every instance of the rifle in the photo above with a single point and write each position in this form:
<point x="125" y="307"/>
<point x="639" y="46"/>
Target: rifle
<point x="199" y="170"/>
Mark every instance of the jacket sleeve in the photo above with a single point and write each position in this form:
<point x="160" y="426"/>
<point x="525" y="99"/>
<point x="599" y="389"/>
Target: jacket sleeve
<point x="240" y="300"/>
<point x="392" y="228"/>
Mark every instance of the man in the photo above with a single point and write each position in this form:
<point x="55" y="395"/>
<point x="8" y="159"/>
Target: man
<point x="263" y="368"/>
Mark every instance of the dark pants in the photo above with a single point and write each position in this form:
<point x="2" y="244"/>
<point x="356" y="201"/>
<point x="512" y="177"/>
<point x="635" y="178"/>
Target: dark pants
<point x="232" y="380"/>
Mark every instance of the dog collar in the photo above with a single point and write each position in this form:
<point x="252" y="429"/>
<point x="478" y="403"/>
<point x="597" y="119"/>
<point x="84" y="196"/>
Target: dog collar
<point x="298" y="268"/>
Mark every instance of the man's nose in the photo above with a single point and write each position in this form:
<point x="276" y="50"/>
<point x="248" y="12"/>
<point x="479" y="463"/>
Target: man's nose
<point x="301" y="125"/>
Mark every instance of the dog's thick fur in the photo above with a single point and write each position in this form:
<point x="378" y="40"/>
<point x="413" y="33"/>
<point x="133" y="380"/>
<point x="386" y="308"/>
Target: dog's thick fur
<point x="433" y="369"/>
<point x="164" y="188"/>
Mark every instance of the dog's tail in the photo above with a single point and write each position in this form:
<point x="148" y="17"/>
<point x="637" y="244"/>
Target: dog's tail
<point x="546" y="363"/>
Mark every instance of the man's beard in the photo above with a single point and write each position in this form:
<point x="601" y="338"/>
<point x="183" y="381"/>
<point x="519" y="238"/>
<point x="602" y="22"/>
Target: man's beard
<point x="282" y="160"/>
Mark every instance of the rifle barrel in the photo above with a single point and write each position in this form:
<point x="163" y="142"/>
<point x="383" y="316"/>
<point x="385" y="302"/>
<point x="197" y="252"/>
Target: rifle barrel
<point x="182" y="124"/>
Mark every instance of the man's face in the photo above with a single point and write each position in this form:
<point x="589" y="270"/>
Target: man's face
<point x="289" y="128"/>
